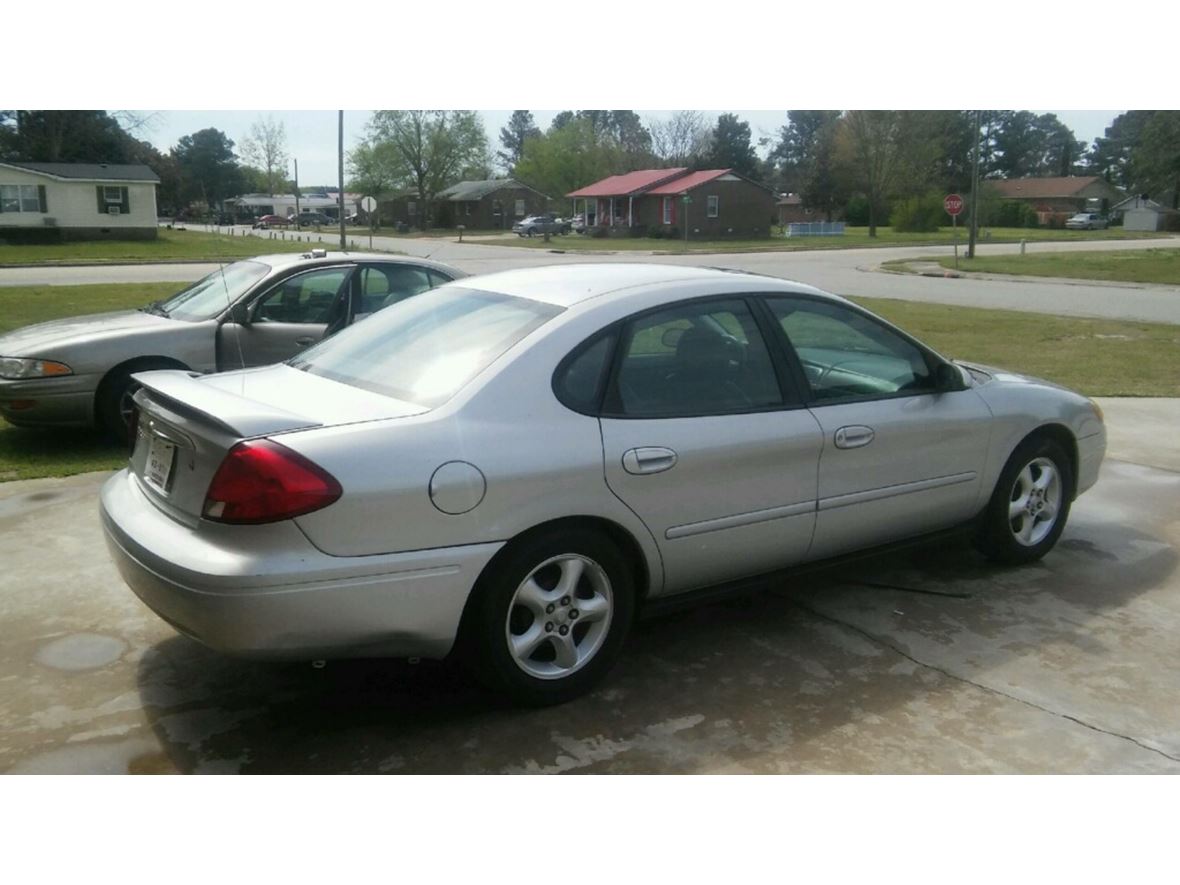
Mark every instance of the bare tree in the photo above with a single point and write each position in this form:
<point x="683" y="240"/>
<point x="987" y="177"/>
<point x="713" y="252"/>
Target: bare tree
<point x="681" y="139"/>
<point x="266" y="149"/>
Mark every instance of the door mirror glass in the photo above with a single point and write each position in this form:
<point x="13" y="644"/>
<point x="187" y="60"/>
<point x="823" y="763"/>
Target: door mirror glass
<point x="948" y="378"/>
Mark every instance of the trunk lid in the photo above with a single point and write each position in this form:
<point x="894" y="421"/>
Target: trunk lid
<point x="187" y="423"/>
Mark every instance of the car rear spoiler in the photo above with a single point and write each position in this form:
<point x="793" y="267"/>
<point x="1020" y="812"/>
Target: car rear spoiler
<point x="184" y="392"/>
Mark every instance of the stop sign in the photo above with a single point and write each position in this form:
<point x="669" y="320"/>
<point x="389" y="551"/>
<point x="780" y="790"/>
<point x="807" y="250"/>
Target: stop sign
<point x="953" y="204"/>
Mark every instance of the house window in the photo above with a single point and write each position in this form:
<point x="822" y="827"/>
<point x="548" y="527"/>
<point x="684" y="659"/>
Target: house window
<point x="712" y="207"/>
<point x="520" y="207"/>
<point x="113" y="194"/>
<point x="466" y="208"/>
<point x="20" y="198"/>
<point x="411" y="207"/>
<point x="667" y="210"/>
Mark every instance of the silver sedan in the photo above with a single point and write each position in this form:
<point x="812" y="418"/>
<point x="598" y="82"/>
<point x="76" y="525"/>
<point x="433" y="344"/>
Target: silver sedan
<point x="509" y="467"/>
<point x="78" y="371"/>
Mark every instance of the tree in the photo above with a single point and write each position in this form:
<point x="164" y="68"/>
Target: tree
<point x="730" y="147"/>
<point x="567" y="158"/>
<point x="521" y="126"/>
<point x="266" y="148"/>
<point x="434" y="147"/>
<point x="208" y="166"/>
<point x="1155" y="161"/>
<point x="64" y="137"/>
<point x="795" y="153"/>
<point x="681" y="140"/>
<point x="1024" y="144"/>
<point x="1110" y="155"/>
<point x="884" y="153"/>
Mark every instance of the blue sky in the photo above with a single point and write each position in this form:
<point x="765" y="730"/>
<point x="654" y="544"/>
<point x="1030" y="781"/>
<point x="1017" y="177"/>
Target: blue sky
<point x="311" y="135"/>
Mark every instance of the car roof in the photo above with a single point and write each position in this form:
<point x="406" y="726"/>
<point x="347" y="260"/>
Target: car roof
<point x="285" y="260"/>
<point x="569" y="284"/>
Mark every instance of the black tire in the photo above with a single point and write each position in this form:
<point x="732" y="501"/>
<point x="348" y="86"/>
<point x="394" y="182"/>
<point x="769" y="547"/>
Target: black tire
<point x="493" y="617"/>
<point x="112" y="402"/>
<point x="532" y="232"/>
<point x="998" y="537"/>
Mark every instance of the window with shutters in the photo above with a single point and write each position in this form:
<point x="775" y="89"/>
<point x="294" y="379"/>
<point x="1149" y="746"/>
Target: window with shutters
<point x="713" y="206"/>
<point x="22" y="198"/>
<point x="112" y="194"/>
<point x="113" y="200"/>
<point x="667" y="210"/>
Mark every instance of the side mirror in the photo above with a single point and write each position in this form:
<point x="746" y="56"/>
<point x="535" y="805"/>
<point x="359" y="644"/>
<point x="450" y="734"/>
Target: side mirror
<point x="240" y="313"/>
<point x="947" y="377"/>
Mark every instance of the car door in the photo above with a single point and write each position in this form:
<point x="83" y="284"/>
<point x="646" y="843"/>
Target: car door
<point x="703" y="438"/>
<point x="286" y="318"/>
<point x="900" y="456"/>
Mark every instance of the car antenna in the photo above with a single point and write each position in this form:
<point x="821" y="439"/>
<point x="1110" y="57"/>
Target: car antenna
<point x="237" y="331"/>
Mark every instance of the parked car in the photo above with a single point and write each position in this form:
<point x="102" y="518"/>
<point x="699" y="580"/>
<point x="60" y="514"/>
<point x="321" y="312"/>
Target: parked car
<point x="1086" y="221"/>
<point x="578" y="224"/>
<point x="510" y="466"/>
<point x="315" y="219"/>
<point x="533" y="225"/>
<point x="268" y="221"/>
<point x="78" y="371"/>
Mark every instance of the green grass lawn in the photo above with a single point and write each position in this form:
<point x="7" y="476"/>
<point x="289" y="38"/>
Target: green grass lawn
<point x="1134" y="266"/>
<point x="854" y="238"/>
<point x="170" y="246"/>
<point x="1096" y="357"/>
<point x="1093" y="356"/>
<point x="25" y="305"/>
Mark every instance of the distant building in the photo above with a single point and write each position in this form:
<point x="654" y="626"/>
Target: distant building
<point x="1055" y="199"/>
<point x="53" y="202"/>
<point x="1141" y="213"/>
<point x="710" y="203"/>
<point x="255" y="205"/>
<point x="492" y="204"/>
<point x="791" y="211"/>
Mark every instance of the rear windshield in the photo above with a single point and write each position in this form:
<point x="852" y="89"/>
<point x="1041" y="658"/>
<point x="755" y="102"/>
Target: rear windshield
<point x="211" y="295"/>
<point x="424" y="349"/>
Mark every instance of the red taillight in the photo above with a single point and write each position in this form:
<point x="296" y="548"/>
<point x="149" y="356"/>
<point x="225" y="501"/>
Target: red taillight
<point x="262" y="481"/>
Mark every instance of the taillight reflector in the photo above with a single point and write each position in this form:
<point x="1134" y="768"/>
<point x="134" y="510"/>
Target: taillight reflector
<point x="262" y="481"/>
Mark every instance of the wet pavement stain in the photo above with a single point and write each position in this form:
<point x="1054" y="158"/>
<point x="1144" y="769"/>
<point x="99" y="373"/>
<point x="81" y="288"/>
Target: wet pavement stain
<point x="81" y="651"/>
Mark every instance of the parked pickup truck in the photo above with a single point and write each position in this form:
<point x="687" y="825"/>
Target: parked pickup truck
<point x="541" y="224"/>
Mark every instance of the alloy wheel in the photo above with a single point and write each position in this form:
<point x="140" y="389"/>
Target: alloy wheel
<point x="559" y="616"/>
<point x="1035" y="502"/>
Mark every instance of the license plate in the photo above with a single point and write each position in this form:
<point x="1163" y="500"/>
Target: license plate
<point x="161" y="455"/>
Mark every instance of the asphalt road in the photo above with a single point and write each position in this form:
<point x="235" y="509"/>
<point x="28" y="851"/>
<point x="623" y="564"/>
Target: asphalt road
<point x="931" y="662"/>
<point x="846" y="272"/>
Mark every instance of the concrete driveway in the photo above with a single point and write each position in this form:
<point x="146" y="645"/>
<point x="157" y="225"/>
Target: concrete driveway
<point x="933" y="661"/>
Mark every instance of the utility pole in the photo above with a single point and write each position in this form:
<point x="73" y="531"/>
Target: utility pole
<point x="974" y="232"/>
<point x="297" y="190"/>
<point x="340" y="200"/>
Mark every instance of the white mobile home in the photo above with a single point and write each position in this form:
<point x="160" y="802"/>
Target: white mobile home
<point x="76" y="201"/>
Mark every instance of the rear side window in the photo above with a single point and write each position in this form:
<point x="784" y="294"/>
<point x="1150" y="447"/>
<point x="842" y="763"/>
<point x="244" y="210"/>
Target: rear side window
<point x="423" y="350"/>
<point x="695" y="358"/>
<point x="579" y="379"/>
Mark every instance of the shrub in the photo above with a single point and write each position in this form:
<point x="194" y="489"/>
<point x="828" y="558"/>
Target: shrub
<point x="923" y="214"/>
<point x="598" y="232"/>
<point x="1013" y="213"/>
<point x="655" y="232"/>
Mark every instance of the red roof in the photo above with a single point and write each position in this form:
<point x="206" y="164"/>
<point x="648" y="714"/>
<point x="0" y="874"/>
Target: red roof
<point x="1043" y="188"/>
<point x="628" y="184"/>
<point x="688" y="182"/>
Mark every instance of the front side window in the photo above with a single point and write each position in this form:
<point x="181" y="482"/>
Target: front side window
<point x="846" y="354"/>
<point x="303" y="298"/>
<point x="212" y="295"/>
<point x="423" y="350"/>
<point x="713" y="206"/>
<point x="696" y="358"/>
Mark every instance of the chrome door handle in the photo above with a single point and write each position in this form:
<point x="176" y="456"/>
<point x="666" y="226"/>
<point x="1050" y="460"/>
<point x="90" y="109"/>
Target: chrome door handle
<point x="649" y="459"/>
<point x="854" y="436"/>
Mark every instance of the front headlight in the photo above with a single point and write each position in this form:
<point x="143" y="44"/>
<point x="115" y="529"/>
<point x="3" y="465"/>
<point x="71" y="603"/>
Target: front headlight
<point x="16" y="368"/>
<point x="1098" y="411"/>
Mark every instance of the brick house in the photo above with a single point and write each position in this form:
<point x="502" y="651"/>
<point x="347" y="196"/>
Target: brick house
<point x="494" y="204"/>
<point x="1056" y="199"/>
<point x="791" y="211"/>
<point x="720" y="203"/>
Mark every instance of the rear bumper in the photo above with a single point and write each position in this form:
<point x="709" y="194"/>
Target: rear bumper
<point x="265" y="591"/>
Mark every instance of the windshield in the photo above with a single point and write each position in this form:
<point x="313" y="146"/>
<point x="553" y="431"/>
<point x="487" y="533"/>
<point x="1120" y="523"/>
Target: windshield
<point x="209" y="296"/>
<point x="424" y="349"/>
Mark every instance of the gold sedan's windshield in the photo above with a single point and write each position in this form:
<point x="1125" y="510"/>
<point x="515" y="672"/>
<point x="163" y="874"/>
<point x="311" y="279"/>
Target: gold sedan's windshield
<point x="211" y="295"/>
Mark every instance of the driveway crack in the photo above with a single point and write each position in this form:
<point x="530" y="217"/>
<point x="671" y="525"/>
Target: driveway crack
<point x="877" y="640"/>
